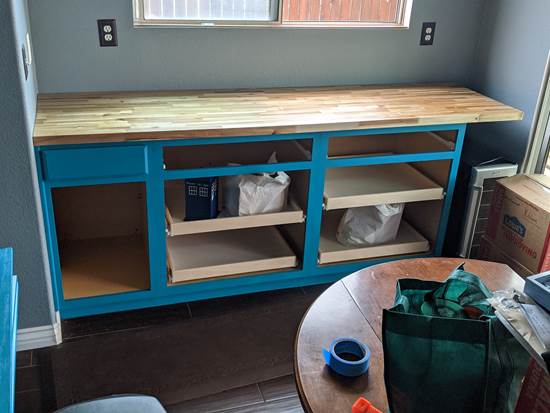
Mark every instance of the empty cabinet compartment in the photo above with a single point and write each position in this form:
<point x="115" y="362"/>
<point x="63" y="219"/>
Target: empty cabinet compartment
<point x="248" y="153"/>
<point x="425" y="217"/>
<point x="390" y="144"/>
<point x="226" y="253"/>
<point x="377" y="184"/>
<point x="408" y="241"/>
<point x="177" y="225"/>
<point x="102" y="239"/>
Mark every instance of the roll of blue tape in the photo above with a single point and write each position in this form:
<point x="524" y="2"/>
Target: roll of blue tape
<point x="348" y="357"/>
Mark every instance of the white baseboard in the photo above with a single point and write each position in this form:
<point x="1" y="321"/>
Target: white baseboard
<point x="38" y="337"/>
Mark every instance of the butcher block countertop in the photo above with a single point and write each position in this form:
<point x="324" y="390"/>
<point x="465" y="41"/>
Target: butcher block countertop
<point x="101" y="117"/>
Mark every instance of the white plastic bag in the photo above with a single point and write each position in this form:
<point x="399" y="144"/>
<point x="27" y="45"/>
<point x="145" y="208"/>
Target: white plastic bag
<point x="255" y="193"/>
<point x="370" y="225"/>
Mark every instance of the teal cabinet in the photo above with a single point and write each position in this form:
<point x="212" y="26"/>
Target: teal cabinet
<point x="118" y="240"/>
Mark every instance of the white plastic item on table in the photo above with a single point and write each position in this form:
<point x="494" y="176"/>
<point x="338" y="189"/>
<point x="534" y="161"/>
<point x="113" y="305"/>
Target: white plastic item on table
<point x="370" y="225"/>
<point x="254" y="194"/>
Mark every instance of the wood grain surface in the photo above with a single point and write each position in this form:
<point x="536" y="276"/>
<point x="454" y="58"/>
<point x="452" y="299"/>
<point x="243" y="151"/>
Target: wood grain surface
<point x="353" y="307"/>
<point x="128" y="116"/>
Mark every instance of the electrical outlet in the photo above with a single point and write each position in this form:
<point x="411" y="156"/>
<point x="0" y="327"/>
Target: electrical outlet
<point x="107" y="32"/>
<point x="428" y="34"/>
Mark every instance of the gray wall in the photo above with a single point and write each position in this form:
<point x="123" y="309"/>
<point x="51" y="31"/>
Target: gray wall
<point x="69" y="59"/>
<point x="510" y="62"/>
<point x="21" y="225"/>
<point x="507" y="65"/>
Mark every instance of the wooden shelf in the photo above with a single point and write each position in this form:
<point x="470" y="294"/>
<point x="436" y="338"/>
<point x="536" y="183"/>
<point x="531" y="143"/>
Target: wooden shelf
<point x="408" y="241"/>
<point x="389" y="144"/>
<point x="102" y="266"/>
<point x="175" y="216"/>
<point x="225" y="253"/>
<point x="364" y="155"/>
<point x="246" y="153"/>
<point x="379" y="184"/>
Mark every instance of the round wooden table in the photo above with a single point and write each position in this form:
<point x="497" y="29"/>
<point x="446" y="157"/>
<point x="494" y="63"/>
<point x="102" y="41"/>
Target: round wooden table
<point x="352" y="307"/>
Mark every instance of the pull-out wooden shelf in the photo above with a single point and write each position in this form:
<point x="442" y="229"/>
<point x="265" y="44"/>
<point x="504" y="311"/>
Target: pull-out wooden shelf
<point x="224" y="253"/>
<point x="102" y="266"/>
<point x="247" y="153"/>
<point x="389" y="144"/>
<point x="408" y="241"/>
<point x="373" y="185"/>
<point x="175" y="216"/>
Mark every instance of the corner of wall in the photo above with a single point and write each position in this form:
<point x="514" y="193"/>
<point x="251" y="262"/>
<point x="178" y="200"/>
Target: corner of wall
<point x="21" y="218"/>
<point x="474" y="66"/>
<point x="41" y="336"/>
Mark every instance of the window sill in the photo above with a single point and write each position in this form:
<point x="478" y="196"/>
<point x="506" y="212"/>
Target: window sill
<point x="265" y="25"/>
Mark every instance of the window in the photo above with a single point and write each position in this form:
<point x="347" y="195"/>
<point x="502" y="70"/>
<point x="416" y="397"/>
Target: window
<point x="203" y="192"/>
<point x="209" y="10"/>
<point x="273" y="13"/>
<point x="537" y="155"/>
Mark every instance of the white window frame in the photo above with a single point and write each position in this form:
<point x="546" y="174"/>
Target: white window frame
<point x="403" y="20"/>
<point x="538" y="146"/>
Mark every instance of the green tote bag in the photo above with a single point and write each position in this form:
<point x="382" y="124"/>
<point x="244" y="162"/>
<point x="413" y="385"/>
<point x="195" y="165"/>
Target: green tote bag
<point x="445" y="351"/>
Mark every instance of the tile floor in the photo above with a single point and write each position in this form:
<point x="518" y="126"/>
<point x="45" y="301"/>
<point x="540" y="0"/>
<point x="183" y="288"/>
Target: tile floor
<point x="273" y="396"/>
<point x="231" y="354"/>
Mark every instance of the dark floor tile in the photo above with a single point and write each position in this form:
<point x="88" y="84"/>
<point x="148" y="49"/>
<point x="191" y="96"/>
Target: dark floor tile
<point x="27" y="378"/>
<point x="288" y="405"/>
<point x="184" y="360"/>
<point x="23" y="359"/>
<point x="127" y="320"/>
<point x="29" y="402"/>
<point x="230" y="399"/>
<point x="42" y="357"/>
<point x="279" y="388"/>
<point x="257" y="302"/>
<point x="315" y="290"/>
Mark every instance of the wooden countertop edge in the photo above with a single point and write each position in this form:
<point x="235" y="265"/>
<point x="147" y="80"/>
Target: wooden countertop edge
<point x="502" y="115"/>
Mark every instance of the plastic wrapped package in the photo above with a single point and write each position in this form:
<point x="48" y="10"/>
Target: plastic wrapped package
<point x="370" y="225"/>
<point x="255" y="194"/>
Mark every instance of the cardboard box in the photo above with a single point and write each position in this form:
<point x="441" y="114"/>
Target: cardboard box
<point x="535" y="391"/>
<point x="519" y="220"/>
<point x="490" y="252"/>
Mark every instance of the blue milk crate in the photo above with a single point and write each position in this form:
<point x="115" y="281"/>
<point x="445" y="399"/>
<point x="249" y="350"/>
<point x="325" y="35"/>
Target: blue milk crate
<point x="201" y="198"/>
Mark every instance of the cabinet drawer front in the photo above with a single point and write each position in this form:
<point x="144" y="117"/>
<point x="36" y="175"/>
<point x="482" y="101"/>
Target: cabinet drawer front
<point x="94" y="162"/>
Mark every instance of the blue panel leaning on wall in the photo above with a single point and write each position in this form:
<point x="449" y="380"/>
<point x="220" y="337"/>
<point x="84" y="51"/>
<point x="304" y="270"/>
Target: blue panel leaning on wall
<point x="8" y="328"/>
